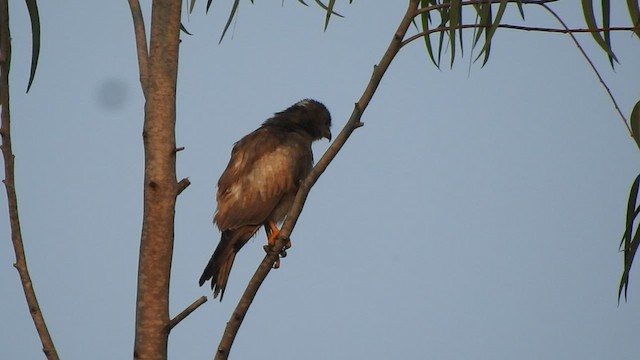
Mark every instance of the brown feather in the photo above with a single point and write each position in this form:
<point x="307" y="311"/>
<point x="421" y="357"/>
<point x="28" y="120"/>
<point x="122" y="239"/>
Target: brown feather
<point x="261" y="180"/>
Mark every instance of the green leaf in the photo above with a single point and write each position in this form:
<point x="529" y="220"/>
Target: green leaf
<point x="424" y="18"/>
<point x="491" y="31"/>
<point x="606" y="22"/>
<point x="329" y="10"/>
<point x="303" y="3"/>
<point x="193" y="3"/>
<point x="629" y="246"/>
<point x="454" y="22"/>
<point x="631" y="208"/>
<point x="634" y="12"/>
<point x="634" y="121"/>
<point x="589" y="18"/>
<point x="444" y="19"/>
<point x="520" y="8"/>
<point x="184" y="29"/>
<point x="234" y="8"/>
<point x="485" y="18"/>
<point x="208" y="5"/>
<point x="32" y="7"/>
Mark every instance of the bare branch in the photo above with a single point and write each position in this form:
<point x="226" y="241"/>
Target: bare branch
<point x="353" y="123"/>
<point x="593" y="67"/>
<point x="233" y="325"/>
<point x="9" y="182"/>
<point x="514" y="27"/>
<point x="141" y="44"/>
<point x="186" y="312"/>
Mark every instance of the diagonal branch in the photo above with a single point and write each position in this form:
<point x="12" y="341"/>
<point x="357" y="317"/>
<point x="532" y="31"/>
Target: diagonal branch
<point x="186" y="312"/>
<point x="353" y="123"/>
<point x="141" y="44"/>
<point x="9" y="182"/>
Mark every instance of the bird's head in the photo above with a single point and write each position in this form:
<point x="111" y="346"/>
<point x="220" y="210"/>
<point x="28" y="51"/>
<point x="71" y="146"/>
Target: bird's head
<point x="310" y="115"/>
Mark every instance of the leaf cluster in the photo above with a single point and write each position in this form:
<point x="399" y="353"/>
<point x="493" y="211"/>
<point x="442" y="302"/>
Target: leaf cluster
<point x="445" y="18"/>
<point x="234" y="9"/>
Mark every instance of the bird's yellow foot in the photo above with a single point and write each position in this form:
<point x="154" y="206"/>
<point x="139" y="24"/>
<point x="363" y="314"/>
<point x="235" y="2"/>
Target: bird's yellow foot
<point x="272" y="232"/>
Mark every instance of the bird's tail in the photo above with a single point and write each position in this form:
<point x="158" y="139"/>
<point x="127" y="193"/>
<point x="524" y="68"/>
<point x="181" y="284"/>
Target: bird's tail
<point x="218" y="271"/>
<point x="221" y="261"/>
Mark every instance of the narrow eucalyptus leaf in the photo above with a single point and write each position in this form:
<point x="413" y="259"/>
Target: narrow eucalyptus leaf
<point x="34" y="17"/>
<point x="329" y="12"/>
<point x="322" y="5"/>
<point x="454" y="22"/>
<point x="484" y="18"/>
<point x="627" y="244"/>
<point x="589" y="18"/>
<point x="424" y="18"/>
<point x="184" y="29"/>
<point x="631" y="208"/>
<point x="634" y="12"/>
<point x="234" y="8"/>
<point x="629" y="254"/>
<point x="520" y="9"/>
<point x="491" y="31"/>
<point x="634" y="122"/>
<point x="606" y="22"/>
<point x="444" y="19"/>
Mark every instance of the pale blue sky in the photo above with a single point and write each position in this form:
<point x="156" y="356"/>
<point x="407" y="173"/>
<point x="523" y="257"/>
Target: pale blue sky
<point x="476" y="215"/>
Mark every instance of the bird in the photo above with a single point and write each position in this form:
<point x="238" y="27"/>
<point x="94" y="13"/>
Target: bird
<point x="260" y="182"/>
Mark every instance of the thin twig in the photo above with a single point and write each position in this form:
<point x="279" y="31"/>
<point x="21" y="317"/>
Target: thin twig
<point x="514" y="27"/>
<point x="141" y="44"/>
<point x="186" y="312"/>
<point x="353" y="123"/>
<point x="427" y="9"/>
<point x="593" y="67"/>
<point x="48" y="347"/>
<point x="564" y="30"/>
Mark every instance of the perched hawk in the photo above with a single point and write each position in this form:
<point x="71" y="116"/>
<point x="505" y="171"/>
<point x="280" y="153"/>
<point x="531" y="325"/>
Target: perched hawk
<point x="261" y="180"/>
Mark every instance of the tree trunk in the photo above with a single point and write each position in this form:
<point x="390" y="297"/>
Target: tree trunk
<point x="160" y="185"/>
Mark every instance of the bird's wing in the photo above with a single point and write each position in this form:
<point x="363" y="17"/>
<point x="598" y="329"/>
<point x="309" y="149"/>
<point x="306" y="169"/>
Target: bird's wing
<point x="265" y="165"/>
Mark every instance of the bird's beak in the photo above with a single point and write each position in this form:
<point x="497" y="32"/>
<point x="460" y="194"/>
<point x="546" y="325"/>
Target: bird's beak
<point x="327" y="134"/>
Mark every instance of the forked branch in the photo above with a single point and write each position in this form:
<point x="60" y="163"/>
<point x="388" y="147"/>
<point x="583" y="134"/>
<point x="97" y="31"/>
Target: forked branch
<point x="141" y="43"/>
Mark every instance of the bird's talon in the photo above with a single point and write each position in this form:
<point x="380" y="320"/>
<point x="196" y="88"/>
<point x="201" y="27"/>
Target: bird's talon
<point x="283" y="253"/>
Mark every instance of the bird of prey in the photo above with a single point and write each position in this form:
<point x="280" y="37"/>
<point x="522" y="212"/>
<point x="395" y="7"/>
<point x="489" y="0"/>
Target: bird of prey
<point x="261" y="181"/>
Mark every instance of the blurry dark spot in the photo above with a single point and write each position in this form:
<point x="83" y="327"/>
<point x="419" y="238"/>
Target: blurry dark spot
<point x="112" y="94"/>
